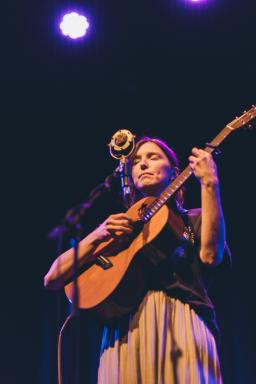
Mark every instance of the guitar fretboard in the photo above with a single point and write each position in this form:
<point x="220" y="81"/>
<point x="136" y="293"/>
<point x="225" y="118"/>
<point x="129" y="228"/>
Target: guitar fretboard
<point x="183" y="177"/>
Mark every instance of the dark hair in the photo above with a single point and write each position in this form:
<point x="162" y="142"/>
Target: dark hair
<point x="172" y="157"/>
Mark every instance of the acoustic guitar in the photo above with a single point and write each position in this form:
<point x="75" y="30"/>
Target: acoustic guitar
<point x="114" y="282"/>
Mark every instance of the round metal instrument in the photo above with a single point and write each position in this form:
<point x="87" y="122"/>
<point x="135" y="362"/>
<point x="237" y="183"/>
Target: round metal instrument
<point x="122" y="144"/>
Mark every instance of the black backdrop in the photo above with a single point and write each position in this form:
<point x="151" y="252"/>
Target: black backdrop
<point x="162" y="68"/>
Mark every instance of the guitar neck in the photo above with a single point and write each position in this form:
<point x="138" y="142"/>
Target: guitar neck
<point x="183" y="177"/>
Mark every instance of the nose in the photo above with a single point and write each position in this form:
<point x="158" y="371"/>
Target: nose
<point x="143" y="164"/>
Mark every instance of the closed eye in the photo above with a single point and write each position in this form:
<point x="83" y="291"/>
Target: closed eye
<point x="135" y="160"/>
<point x="154" y="157"/>
<point x="150" y="155"/>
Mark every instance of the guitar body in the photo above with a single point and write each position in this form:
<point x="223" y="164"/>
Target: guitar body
<point x="112" y="292"/>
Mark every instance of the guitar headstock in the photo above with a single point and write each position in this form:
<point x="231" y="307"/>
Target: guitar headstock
<point x="243" y="120"/>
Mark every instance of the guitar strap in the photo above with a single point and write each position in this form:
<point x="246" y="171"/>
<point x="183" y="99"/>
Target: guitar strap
<point x="180" y="223"/>
<point x="192" y="224"/>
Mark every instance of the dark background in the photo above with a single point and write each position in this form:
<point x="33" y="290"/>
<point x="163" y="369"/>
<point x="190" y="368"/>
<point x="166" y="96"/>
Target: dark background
<point x="160" y="67"/>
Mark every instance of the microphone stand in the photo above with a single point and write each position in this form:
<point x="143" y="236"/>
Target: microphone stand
<point x="71" y="224"/>
<point x="124" y="171"/>
<point x="121" y="146"/>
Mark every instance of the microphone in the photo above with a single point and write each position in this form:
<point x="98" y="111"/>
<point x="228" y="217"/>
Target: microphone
<point x="121" y="146"/>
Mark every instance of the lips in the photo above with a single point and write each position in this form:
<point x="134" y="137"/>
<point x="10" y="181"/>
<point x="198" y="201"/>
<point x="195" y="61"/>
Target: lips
<point x="145" y="174"/>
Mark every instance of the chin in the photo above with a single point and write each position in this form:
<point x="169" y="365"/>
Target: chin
<point x="150" y="190"/>
<point x="153" y="189"/>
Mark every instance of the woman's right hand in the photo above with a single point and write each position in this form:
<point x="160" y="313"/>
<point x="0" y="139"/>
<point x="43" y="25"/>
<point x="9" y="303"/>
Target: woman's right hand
<point x="116" y="226"/>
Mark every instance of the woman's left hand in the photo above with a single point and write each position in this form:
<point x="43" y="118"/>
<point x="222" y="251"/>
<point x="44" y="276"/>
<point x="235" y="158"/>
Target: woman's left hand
<point x="203" y="166"/>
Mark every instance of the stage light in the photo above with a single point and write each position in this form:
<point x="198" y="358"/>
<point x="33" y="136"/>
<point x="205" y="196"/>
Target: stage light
<point x="74" y="25"/>
<point x="196" y="1"/>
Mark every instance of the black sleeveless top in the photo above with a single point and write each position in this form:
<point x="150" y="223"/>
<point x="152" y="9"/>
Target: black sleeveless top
<point x="174" y="266"/>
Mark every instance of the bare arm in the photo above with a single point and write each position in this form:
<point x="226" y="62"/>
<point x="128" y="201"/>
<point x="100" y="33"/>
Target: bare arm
<point x="117" y="225"/>
<point x="213" y="224"/>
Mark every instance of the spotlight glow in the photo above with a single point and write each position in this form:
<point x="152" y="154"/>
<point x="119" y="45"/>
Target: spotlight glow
<point x="74" y="25"/>
<point x="196" y="1"/>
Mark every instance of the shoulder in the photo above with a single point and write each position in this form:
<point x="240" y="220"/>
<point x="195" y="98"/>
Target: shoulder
<point x="194" y="212"/>
<point x="194" y="218"/>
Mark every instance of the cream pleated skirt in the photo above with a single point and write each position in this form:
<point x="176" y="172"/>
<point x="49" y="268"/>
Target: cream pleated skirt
<point x="165" y="342"/>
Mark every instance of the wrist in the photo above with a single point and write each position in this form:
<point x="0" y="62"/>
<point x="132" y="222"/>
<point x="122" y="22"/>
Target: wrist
<point x="93" y="238"/>
<point x="209" y="182"/>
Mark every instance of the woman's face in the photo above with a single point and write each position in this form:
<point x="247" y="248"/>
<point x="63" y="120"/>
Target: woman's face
<point x="151" y="169"/>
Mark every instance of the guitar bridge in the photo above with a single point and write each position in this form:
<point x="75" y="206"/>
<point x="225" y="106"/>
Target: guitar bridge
<point x="103" y="262"/>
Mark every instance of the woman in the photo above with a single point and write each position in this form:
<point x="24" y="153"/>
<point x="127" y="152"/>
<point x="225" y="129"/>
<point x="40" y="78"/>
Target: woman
<point x="171" y="336"/>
